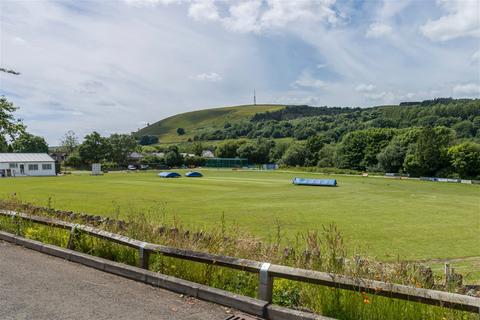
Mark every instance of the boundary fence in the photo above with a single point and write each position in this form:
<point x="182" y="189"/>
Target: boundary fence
<point x="266" y="271"/>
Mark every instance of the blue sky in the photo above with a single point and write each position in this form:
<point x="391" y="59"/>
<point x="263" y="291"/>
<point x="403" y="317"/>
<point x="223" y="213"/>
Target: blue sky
<point x="113" y="66"/>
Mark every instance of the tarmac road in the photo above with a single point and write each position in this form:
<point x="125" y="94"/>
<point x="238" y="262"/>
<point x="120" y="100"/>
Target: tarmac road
<point x="34" y="285"/>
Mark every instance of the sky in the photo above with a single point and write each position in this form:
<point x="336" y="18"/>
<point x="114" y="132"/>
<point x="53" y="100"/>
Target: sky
<point x="113" y="66"/>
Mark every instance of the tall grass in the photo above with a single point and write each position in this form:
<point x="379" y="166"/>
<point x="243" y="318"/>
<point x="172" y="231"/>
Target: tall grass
<point x="323" y="251"/>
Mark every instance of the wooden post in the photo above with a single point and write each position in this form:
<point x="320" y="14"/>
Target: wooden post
<point x="144" y="257"/>
<point x="447" y="274"/>
<point x="71" y="238"/>
<point x="265" y="286"/>
<point x="16" y="222"/>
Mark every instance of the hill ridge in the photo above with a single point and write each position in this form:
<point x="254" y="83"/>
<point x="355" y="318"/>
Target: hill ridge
<point x="193" y="121"/>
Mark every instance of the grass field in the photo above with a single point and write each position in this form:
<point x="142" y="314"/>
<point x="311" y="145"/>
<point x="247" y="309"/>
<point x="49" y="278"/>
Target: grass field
<point x="382" y="217"/>
<point x="166" y="129"/>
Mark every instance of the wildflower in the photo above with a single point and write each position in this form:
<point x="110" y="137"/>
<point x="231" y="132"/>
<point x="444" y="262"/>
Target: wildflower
<point x="366" y="301"/>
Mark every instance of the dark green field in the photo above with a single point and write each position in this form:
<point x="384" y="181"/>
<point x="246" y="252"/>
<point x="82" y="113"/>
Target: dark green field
<point x="382" y="217"/>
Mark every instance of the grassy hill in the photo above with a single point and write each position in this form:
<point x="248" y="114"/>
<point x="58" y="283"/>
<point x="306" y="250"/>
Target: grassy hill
<point x="194" y="121"/>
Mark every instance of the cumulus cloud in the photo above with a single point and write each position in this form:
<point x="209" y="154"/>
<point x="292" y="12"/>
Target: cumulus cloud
<point x="280" y="12"/>
<point x="261" y="15"/>
<point x="467" y="90"/>
<point x="208" y="77"/>
<point x="306" y="80"/>
<point x="377" y="30"/>
<point x="141" y="3"/>
<point x="462" y="19"/>
<point x="243" y="16"/>
<point x="365" y="87"/>
<point x="203" y="10"/>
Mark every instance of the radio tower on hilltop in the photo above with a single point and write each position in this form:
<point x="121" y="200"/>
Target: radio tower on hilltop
<point x="254" y="97"/>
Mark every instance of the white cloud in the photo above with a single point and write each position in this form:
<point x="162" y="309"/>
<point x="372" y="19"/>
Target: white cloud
<point x="208" y="77"/>
<point x="306" y="80"/>
<point x="19" y="41"/>
<point x="462" y="19"/>
<point x="243" y="16"/>
<point x="365" y="88"/>
<point x="143" y="3"/>
<point x="467" y="90"/>
<point x="375" y="95"/>
<point x="391" y="8"/>
<point x="203" y="10"/>
<point x="377" y="30"/>
<point x="261" y="15"/>
<point x="386" y="97"/>
<point x="476" y="57"/>
<point x="280" y="12"/>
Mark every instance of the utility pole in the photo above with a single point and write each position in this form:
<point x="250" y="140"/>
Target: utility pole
<point x="254" y="97"/>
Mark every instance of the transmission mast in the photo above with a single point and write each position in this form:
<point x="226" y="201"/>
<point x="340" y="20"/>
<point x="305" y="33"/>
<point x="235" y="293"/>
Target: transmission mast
<point x="254" y="97"/>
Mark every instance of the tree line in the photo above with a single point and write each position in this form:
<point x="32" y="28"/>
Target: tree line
<point x="301" y="122"/>
<point x="444" y="147"/>
<point x="418" y="151"/>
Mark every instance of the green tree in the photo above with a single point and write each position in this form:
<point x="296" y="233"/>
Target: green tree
<point x="3" y="144"/>
<point x="152" y="160"/>
<point x="69" y="142"/>
<point x="148" y="140"/>
<point x="180" y="131"/>
<point x="197" y="148"/>
<point x="228" y="149"/>
<point x="27" y="142"/>
<point x="295" y="155"/>
<point x="195" y="161"/>
<point x="392" y="157"/>
<point x="465" y="159"/>
<point x="173" y="158"/>
<point x="94" y="148"/>
<point x="429" y="155"/>
<point x="256" y="152"/>
<point x="314" y="145"/>
<point x="327" y="156"/>
<point x="10" y="127"/>
<point x="464" y="129"/>
<point x="121" y="145"/>
<point x="74" y="160"/>
<point x="476" y="123"/>
<point x="359" y="149"/>
<point x="277" y="152"/>
<point x="148" y="149"/>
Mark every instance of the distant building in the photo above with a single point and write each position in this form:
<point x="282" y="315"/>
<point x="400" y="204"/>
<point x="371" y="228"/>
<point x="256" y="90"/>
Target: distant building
<point x="187" y="155"/>
<point x="158" y="154"/>
<point x="207" y="154"/>
<point x="26" y="164"/>
<point x="135" y="157"/>
<point x="58" y="156"/>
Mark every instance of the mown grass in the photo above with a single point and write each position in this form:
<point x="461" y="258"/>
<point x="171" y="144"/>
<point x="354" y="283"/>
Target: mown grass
<point x="325" y="249"/>
<point x="386" y="218"/>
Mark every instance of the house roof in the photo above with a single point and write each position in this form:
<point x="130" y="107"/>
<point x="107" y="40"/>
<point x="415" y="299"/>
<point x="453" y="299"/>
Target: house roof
<point x="135" y="155"/>
<point x="25" y="157"/>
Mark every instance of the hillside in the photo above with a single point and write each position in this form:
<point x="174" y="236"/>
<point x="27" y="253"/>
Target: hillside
<point x="300" y="121"/>
<point x="194" y="121"/>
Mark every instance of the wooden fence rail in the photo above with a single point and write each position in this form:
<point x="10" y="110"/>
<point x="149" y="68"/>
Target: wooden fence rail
<point x="266" y="271"/>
